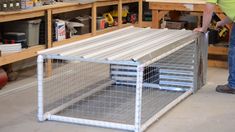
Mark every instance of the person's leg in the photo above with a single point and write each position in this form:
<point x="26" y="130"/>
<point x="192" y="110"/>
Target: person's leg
<point x="230" y="87"/>
<point x="231" y="59"/>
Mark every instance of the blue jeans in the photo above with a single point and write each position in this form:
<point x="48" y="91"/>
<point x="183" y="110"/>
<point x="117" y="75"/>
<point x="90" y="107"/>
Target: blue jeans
<point x="231" y="59"/>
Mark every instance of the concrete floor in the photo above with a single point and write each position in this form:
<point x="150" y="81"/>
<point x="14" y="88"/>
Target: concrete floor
<point x="206" y="111"/>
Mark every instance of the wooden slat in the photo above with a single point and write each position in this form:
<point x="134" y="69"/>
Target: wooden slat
<point x="94" y="15"/>
<point x="179" y="7"/>
<point x="140" y="15"/>
<point x="146" y="24"/>
<point x="49" y="40"/>
<point x="119" y="13"/>
<point x="217" y="50"/>
<point x="129" y="1"/>
<point x="217" y="63"/>
<point x="71" y="8"/>
<point x="19" y="16"/>
<point x="180" y="1"/>
<point x="107" y="3"/>
<point x="73" y="39"/>
<point x="113" y="2"/>
<point x="26" y="53"/>
<point x="155" y="19"/>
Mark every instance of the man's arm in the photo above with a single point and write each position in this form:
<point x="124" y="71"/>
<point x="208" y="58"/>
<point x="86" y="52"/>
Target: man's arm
<point x="223" y="22"/>
<point x="207" y="16"/>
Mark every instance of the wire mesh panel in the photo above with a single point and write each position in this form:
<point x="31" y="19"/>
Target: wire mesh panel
<point x="85" y="90"/>
<point x="124" y="90"/>
<point x="167" y="79"/>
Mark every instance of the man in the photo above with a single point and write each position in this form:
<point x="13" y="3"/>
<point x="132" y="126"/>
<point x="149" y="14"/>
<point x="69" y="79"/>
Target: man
<point x="228" y="7"/>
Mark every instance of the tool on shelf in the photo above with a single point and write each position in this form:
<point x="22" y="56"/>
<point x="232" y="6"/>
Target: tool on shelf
<point x="3" y="78"/>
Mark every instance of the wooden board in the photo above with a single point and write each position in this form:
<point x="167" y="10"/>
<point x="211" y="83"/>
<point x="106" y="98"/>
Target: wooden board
<point x="26" y="53"/>
<point x="180" y="1"/>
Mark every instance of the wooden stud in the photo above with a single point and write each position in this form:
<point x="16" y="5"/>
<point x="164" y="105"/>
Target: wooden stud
<point x="49" y="41"/>
<point x="94" y="16"/>
<point x="119" y="13"/>
<point x="162" y="14"/>
<point x="140" y="16"/>
<point x="155" y="19"/>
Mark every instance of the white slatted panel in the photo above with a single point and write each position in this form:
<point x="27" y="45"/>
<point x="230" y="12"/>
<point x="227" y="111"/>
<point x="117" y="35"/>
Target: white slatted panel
<point x="125" y="44"/>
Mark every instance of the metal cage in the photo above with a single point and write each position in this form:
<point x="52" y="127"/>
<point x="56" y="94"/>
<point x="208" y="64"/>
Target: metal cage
<point x="125" y="79"/>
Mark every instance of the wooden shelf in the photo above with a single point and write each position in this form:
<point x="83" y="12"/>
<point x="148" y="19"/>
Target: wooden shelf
<point x="26" y="53"/>
<point x="99" y="32"/>
<point x="88" y="35"/>
<point x="109" y="3"/>
<point x="217" y="63"/>
<point x="49" y="10"/>
<point x="217" y="50"/>
<point x="73" y="39"/>
<point x="146" y="24"/>
<point x="5" y="17"/>
<point x="68" y="7"/>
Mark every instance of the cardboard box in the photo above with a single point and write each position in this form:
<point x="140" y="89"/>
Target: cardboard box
<point x="60" y="31"/>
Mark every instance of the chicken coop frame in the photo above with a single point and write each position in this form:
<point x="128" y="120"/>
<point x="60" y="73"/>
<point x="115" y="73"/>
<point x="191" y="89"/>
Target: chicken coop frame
<point x="131" y="85"/>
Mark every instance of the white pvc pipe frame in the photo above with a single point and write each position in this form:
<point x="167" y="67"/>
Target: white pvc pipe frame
<point x="137" y="127"/>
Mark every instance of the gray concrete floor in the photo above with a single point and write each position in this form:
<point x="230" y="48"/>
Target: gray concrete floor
<point x="205" y="111"/>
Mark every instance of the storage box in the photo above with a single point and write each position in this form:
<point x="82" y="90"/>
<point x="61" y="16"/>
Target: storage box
<point x="86" y="20"/>
<point x="15" y="37"/>
<point x="30" y="28"/>
<point x="10" y="48"/>
<point x="175" y="25"/>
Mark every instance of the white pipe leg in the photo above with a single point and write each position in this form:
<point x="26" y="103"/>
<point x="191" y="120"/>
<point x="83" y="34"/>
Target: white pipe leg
<point x="139" y="82"/>
<point x="40" y="87"/>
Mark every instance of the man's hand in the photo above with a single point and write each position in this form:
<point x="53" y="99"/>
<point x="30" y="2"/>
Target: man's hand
<point x="207" y="15"/>
<point x="223" y="22"/>
<point x="220" y="24"/>
<point x="200" y="29"/>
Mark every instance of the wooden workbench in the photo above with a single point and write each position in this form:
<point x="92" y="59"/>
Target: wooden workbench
<point x="161" y="7"/>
